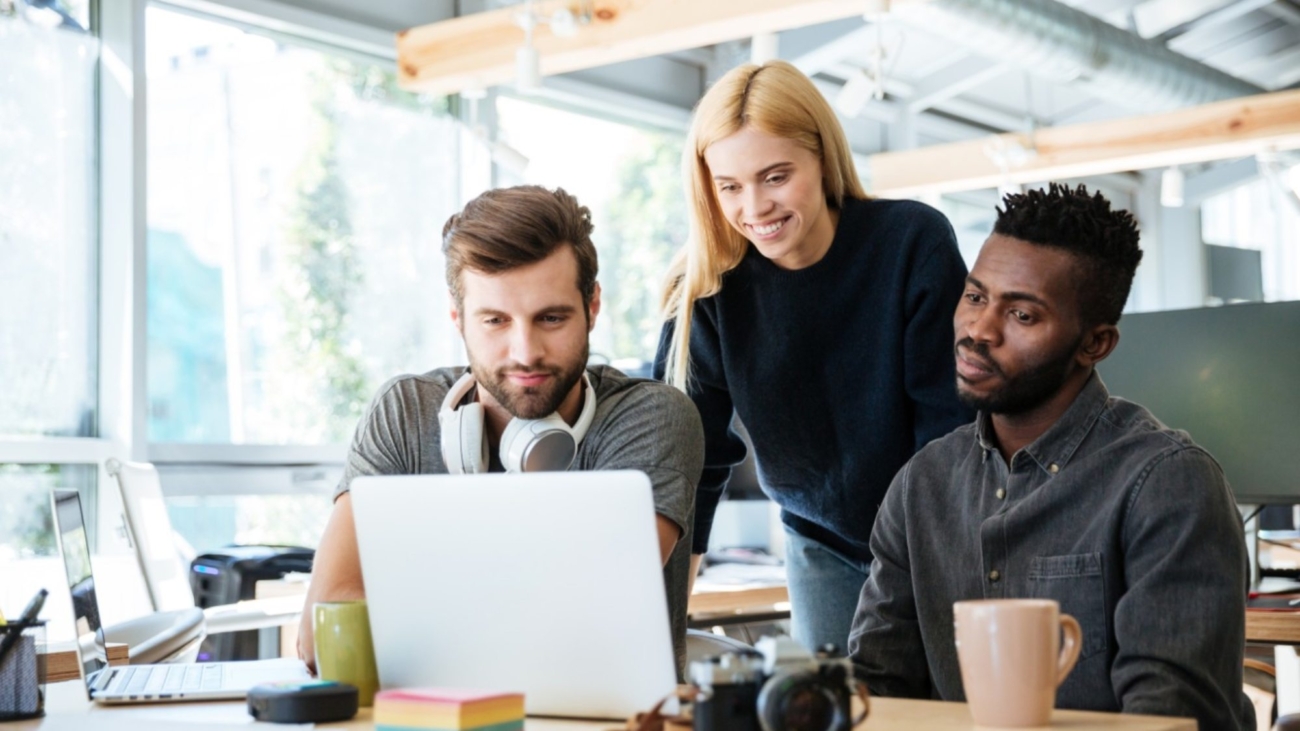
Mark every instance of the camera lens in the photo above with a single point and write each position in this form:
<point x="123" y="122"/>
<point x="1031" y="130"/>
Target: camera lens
<point x="800" y="702"/>
<point x="807" y="708"/>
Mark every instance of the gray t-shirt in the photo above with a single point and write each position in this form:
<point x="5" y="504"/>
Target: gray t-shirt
<point x="639" y="425"/>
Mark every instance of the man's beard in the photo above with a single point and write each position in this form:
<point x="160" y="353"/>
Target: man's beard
<point x="530" y="402"/>
<point x="1023" y="393"/>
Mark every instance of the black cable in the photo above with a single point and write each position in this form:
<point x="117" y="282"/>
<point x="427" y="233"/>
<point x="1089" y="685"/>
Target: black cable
<point x="1252" y="515"/>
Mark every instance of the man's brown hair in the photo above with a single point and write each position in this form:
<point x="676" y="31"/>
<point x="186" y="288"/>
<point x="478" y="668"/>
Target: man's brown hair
<point x="507" y="228"/>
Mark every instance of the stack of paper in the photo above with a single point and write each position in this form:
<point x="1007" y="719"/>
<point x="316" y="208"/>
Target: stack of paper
<point x="448" y="709"/>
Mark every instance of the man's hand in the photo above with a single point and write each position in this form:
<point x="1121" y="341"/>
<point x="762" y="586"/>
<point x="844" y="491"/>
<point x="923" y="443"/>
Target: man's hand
<point x="335" y="573"/>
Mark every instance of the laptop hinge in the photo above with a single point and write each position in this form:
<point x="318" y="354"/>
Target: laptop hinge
<point x="100" y="679"/>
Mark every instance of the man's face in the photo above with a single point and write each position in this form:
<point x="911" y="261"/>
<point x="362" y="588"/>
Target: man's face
<point x="1017" y="327"/>
<point x="526" y="332"/>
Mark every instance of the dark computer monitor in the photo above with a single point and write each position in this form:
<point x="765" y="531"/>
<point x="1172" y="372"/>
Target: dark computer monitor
<point x="1230" y="376"/>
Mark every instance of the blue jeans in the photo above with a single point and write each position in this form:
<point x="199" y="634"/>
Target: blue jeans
<point x="824" y="588"/>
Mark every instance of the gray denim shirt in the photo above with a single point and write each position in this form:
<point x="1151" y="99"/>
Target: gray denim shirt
<point x="1128" y="524"/>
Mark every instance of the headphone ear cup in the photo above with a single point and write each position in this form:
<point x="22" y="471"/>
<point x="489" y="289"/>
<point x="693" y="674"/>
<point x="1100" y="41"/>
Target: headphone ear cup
<point x="473" y="447"/>
<point x="449" y="440"/>
<point x="512" y="455"/>
<point x="464" y="450"/>
<point x="538" y="445"/>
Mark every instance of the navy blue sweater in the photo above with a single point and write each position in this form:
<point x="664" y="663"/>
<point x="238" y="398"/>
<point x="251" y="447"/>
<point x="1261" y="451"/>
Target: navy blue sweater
<point x="840" y="371"/>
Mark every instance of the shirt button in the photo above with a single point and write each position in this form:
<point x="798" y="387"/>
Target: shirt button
<point x="994" y="575"/>
<point x="1053" y="468"/>
<point x="1001" y="493"/>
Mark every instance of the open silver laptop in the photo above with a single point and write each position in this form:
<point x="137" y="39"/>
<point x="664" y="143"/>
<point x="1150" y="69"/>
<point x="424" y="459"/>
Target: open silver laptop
<point x="143" y="683"/>
<point x="549" y="584"/>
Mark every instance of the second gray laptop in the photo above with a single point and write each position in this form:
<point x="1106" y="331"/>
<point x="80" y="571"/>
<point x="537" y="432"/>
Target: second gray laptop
<point x="549" y="584"/>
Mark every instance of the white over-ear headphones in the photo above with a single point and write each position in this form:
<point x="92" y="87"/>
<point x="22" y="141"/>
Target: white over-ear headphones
<point x="527" y="445"/>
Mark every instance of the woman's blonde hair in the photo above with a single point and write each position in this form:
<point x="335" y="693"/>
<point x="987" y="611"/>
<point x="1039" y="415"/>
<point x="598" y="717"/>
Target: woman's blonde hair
<point x="775" y="98"/>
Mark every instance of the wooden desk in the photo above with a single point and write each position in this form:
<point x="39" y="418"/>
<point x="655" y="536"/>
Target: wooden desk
<point x="61" y="660"/>
<point x="736" y="599"/>
<point x="1272" y="626"/>
<point x="67" y="709"/>
<point x="738" y="593"/>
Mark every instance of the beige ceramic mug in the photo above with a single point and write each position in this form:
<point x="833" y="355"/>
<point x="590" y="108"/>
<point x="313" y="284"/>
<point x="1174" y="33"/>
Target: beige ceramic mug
<point x="1013" y="658"/>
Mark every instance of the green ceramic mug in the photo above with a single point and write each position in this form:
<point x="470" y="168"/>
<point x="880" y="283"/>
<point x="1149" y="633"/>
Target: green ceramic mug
<point x="344" y="651"/>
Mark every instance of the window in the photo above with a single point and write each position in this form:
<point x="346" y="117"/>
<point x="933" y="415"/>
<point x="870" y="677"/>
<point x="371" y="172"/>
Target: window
<point x="1264" y="216"/>
<point x="29" y="552"/>
<point x="48" y="293"/>
<point x="633" y="188"/>
<point x="212" y="506"/>
<point x="296" y="201"/>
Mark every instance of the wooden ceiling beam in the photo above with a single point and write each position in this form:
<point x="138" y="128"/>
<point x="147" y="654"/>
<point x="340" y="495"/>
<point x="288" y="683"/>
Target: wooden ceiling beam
<point x="477" y="51"/>
<point x="1217" y="131"/>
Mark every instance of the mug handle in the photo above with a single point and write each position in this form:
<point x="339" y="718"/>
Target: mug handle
<point x="1071" y="643"/>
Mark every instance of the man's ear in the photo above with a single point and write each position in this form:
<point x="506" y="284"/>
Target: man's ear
<point x="1098" y="343"/>
<point x="455" y="314"/>
<point x="594" y="308"/>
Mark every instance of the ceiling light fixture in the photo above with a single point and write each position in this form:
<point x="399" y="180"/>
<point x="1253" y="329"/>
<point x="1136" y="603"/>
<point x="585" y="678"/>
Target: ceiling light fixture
<point x="563" y="22"/>
<point x="764" y="47"/>
<point x="501" y="153"/>
<point x="1171" y="187"/>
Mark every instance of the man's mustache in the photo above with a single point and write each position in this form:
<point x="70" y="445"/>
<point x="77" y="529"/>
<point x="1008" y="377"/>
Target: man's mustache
<point x="981" y="350"/>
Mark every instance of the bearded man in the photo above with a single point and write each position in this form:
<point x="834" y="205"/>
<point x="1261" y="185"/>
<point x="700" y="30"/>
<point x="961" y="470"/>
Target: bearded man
<point x="1060" y="491"/>
<point x="522" y="268"/>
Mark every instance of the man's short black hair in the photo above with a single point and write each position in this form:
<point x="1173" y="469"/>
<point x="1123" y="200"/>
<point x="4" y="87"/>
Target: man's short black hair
<point x="1104" y="241"/>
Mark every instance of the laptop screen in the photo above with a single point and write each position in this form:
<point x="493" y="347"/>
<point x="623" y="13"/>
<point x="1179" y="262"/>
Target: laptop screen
<point x="75" y="545"/>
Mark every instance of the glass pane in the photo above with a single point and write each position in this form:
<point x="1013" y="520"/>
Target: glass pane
<point x="296" y="204"/>
<point x="68" y="15"/>
<point x="47" y="231"/>
<point x="209" y="522"/>
<point x="633" y="188"/>
<point x="29" y="552"/>
<point x="1264" y="216"/>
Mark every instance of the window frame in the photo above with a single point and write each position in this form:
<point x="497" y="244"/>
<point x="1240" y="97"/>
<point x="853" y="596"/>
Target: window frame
<point x="303" y="28"/>
<point x="120" y="246"/>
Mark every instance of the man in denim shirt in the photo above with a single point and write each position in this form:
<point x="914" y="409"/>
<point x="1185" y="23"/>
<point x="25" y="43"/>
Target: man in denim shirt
<point x="1059" y="491"/>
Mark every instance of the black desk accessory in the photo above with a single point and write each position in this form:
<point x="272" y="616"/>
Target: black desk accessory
<point x="28" y="616"/>
<point x="311" y="701"/>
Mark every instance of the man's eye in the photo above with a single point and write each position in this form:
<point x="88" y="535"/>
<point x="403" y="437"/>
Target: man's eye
<point x="974" y="298"/>
<point x="553" y="319"/>
<point x="1022" y="316"/>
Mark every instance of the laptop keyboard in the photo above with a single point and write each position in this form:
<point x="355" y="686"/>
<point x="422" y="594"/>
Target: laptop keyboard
<point x="150" y="680"/>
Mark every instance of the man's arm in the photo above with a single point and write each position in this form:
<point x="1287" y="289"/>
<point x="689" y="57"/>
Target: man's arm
<point x="669" y="534"/>
<point x="1180" y="626"/>
<point x="885" y="641"/>
<point x="335" y="573"/>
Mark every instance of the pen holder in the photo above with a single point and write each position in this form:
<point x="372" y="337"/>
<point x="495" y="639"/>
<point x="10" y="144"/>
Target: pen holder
<point x="22" y="672"/>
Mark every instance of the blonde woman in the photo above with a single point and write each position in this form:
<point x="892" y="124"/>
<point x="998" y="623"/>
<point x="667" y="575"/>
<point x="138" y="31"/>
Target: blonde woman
<point x="820" y="317"/>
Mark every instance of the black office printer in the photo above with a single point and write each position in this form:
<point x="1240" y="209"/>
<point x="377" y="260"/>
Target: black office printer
<point x="230" y="575"/>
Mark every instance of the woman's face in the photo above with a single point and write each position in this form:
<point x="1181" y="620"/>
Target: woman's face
<point x="770" y="190"/>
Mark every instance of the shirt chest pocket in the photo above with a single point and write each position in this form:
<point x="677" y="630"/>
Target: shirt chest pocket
<point x="1076" y="583"/>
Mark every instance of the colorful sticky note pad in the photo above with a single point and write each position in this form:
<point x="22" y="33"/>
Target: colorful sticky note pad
<point x="448" y="709"/>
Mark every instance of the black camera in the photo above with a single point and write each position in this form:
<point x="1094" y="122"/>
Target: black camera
<point x="777" y="687"/>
